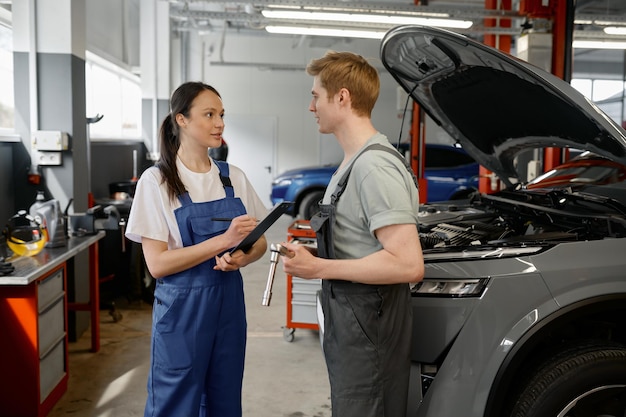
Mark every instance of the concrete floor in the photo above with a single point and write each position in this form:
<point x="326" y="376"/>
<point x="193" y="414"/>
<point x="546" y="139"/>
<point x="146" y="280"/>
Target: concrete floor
<point x="282" y="379"/>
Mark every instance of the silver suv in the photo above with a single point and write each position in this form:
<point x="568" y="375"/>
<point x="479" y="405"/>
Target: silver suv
<point x="522" y="311"/>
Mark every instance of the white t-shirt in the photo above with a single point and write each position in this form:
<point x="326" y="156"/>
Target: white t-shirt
<point x="152" y="211"/>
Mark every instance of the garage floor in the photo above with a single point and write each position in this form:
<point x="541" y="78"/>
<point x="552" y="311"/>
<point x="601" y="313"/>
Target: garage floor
<point x="282" y="379"/>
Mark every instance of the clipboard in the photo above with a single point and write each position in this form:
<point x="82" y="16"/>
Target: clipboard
<point x="261" y="228"/>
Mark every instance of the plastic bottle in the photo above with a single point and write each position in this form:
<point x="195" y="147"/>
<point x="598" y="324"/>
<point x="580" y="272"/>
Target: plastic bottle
<point x="51" y="218"/>
<point x="39" y="202"/>
<point x="37" y="210"/>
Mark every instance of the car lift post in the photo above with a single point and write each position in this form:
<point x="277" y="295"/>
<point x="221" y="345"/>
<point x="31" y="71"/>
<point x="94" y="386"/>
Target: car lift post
<point x="418" y="150"/>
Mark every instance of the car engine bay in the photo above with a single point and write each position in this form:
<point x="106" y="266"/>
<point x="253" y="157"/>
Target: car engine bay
<point x="516" y="216"/>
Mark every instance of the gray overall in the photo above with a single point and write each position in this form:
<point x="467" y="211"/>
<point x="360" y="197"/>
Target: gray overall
<point x="367" y="336"/>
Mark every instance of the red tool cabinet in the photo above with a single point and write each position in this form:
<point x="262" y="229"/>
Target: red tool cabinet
<point x="34" y="347"/>
<point x="33" y="327"/>
<point x="301" y="293"/>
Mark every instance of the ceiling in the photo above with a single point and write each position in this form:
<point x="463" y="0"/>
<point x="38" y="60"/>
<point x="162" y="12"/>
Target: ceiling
<point x="209" y="15"/>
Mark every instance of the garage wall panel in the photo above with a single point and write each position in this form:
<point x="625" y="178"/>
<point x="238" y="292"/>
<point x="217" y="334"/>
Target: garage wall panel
<point x="265" y="75"/>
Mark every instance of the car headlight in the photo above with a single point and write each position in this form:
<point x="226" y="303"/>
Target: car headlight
<point x="284" y="182"/>
<point x="450" y="287"/>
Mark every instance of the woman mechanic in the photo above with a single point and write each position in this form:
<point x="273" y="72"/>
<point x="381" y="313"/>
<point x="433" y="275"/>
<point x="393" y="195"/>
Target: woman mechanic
<point x="188" y="210"/>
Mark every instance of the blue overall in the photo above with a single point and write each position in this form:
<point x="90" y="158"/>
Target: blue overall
<point x="199" y="324"/>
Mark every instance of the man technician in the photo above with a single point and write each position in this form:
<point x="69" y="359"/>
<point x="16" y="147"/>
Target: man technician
<point x="368" y="246"/>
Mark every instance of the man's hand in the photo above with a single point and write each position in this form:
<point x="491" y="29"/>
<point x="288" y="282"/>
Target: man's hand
<point x="302" y="262"/>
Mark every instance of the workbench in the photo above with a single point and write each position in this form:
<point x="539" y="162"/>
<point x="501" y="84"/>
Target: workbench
<point x="33" y="324"/>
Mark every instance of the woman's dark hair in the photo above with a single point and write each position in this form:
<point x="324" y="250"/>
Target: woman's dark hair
<point x="180" y="102"/>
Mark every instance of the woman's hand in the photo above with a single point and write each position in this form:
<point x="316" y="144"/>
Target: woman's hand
<point x="162" y="261"/>
<point x="228" y="262"/>
<point x="239" y="228"/>
<point x="239" y="259"/>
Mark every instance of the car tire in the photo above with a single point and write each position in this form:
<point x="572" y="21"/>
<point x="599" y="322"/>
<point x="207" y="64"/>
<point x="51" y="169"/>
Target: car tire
<point x="586" y="380"/>
<point x="309" y="205"/>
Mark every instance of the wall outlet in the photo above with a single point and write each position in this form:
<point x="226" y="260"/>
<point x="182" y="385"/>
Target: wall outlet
<point x="48" y="158"/>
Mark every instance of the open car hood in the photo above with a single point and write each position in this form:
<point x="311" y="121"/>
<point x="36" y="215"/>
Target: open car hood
<point x="493" y="104"/>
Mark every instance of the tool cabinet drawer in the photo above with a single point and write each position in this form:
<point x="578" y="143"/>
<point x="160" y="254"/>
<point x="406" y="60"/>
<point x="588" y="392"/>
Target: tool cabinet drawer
<point x="304" y="311"/>
<point x="51" y="369"/>
<point x="51" y="326"/>
<point x="49" y="290"/>
<point x="305" y="288"/>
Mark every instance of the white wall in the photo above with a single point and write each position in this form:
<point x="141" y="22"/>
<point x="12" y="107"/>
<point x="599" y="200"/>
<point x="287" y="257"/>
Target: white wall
<point x="285" y="94"/>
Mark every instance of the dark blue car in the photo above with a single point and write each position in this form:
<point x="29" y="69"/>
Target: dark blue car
<point x="451" y="173"/>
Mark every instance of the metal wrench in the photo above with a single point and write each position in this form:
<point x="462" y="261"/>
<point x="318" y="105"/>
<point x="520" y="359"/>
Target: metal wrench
<point x="276" y="249"/>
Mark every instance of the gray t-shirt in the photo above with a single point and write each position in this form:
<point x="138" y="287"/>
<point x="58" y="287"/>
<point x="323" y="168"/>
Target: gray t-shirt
<point x="380" y="192"/>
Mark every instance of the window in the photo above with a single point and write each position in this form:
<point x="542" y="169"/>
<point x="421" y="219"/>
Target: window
<point x="115" y="94"/>
<point x="604" y="89"/>
<point x="110" y="91"/>
<point x="608" y="95"/>
<point x="583" y="86"/>
<point x="7" y="102"/>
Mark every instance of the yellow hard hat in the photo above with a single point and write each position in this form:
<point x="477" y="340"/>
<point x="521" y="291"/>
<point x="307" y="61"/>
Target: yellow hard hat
<point x="25" y="235"/>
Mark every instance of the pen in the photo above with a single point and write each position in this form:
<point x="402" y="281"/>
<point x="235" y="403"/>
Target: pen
<point x="224" y="219"/>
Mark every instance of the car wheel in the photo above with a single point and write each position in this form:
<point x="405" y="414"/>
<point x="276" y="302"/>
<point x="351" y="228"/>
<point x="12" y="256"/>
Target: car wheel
<point x="585" y="381"/>
<point x="309" y="205"/>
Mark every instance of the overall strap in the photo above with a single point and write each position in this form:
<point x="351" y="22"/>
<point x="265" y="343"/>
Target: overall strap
<point x="224" y="177"/>
<point x="341" y="185"/>
<point x="184" y="199"/>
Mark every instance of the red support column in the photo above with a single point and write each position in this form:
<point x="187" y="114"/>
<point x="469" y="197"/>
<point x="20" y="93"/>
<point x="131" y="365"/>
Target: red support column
<point x="501" y="42"/>
<point x="418" y="151"/>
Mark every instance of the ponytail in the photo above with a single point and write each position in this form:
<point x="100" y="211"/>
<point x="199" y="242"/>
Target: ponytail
<point x="170" y="142"/>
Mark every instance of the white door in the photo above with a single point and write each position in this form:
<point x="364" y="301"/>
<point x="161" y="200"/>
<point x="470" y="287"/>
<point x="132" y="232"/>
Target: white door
<point x="251" y="142"/>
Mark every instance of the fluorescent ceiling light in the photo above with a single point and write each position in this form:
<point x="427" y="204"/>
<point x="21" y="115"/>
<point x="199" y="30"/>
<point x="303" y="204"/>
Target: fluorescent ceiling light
<point x="313" y="31"/>
<point x="598" y="45"/>
<point x="615" y="30"/>
<point x="607" y="23"/>
<point x="367" y="18"/>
